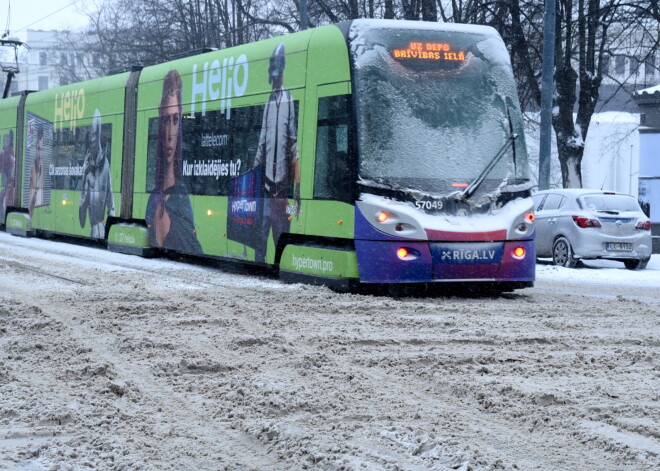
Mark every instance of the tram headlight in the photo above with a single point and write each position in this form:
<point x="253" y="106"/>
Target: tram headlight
<point x="518" y="253"/>
<point x="527" y="224"/>
<point x="406" y="254"/>
<point x="382" y="217"/>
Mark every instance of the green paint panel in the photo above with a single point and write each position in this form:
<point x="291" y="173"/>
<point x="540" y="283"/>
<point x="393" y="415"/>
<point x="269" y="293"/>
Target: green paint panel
<point x="330" y="219"/>
<point x="70" y="103"/>
<point x="315" y="261"/>
<point x="211" y="223"/>
<point x="328" y="57"/>
<point x="18" y="221"/>
<point x="222" y="77"/>
<point x="130" y="235"/>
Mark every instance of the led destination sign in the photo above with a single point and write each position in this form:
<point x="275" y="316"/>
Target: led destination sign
<point x="429" y="51"/>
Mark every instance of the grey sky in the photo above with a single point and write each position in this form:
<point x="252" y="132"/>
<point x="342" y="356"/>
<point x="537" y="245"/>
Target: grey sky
<point x="41" y="14"/>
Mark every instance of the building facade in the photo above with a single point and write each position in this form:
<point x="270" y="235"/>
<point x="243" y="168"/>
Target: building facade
<point x="46" y="64"/>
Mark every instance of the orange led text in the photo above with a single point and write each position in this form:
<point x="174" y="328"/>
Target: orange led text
<point x="428" y="51"/>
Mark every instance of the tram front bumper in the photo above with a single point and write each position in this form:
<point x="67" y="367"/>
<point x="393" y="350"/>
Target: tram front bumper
<point x="404" y="261"/>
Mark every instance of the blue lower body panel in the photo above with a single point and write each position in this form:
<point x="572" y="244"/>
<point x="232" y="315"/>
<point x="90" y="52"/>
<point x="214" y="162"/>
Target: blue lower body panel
<point x="430" y="261"/>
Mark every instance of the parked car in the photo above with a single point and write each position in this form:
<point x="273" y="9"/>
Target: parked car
<point x="581" y="224"/>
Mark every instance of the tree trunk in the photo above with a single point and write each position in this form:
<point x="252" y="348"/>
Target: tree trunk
<point x="389" y="10"/>
<point x="429" y="10"/>
<point x="571" y="166"/>
<point x="570" y="142"/>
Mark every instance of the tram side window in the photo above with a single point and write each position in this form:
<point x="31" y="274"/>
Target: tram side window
<point x="332" y="174"/>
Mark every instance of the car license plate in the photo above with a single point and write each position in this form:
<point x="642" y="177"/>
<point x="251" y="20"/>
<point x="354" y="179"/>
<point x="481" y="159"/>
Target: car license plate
<point x="618" y="246"/>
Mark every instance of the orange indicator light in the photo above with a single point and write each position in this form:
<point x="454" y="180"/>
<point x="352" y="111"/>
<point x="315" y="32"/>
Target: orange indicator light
<point x="518" y="253"/>
<point x="64" y="202"/>
<point x="209" y="212"/>
<point x="382" y="216"/>
<point x="402" y="253"/>
<point x="530" y="217"/>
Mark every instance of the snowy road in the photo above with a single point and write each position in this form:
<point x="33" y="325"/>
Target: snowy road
<point x="112" y="362"/>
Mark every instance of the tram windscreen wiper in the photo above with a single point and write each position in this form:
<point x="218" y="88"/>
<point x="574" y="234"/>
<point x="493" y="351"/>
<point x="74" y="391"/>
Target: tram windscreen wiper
<point x="472" y="187"/>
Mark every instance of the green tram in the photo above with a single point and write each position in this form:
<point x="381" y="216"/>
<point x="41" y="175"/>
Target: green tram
<point x="366" y="152"/>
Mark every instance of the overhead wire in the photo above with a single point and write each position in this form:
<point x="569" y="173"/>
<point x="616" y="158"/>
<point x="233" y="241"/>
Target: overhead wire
<point x="24" y="28"/>
<point x="6" y="33"/>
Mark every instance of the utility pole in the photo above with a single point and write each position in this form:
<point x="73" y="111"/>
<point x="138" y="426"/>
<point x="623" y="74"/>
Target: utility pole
<point x="547" y="89"/>
<point x="9" y="69"/>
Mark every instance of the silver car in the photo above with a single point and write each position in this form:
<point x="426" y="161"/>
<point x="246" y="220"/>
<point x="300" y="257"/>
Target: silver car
<point x="579" y="224"/>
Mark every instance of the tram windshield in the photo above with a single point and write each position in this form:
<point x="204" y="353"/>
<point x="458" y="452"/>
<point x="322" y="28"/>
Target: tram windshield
<point x="434" y="109"/>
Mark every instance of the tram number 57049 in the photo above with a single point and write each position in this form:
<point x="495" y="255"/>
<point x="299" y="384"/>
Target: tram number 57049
<point x="428" y="205"/>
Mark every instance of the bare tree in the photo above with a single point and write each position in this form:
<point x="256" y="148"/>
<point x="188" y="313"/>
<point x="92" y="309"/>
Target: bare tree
<point x="587" y="33"/>
<point x="122" y="33"/>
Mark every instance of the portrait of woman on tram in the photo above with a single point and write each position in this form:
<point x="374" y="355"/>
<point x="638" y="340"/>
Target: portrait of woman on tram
<point x="169" y="214"/>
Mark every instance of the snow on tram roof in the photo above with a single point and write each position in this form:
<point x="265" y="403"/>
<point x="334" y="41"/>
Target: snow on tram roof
<point x="366" y="24"/>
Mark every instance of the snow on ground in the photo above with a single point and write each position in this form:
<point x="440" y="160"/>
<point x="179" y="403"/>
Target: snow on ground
<point x="602" y="272"/>
<point x="113" y="362"/>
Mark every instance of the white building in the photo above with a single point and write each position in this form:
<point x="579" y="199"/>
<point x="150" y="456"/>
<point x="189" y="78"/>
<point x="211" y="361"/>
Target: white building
<point x="43" y="65"/>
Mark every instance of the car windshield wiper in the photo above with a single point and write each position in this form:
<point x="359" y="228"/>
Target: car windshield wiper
<point x="472" y="187"/>
<point x="608" y="211"/>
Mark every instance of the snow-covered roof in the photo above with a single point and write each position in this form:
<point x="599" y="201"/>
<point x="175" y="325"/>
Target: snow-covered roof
<point x="652" y="92"/>
<point x="578" y="191"/>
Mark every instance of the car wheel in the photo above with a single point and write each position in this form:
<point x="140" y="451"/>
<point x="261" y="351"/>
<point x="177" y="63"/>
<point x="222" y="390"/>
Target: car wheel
<point x="636" y="264"/>
<point x="562" y="253"/>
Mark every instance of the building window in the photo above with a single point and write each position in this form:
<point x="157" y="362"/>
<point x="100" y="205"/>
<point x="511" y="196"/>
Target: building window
<point x="43" y="82"/>
<point x="649" y="67"/>
<point x="606" y="64"/>
<point x="619" y="65"/>
<point x="634" y="66"/>
<point x="43" y="58"/>
<point x="64" y="59"/>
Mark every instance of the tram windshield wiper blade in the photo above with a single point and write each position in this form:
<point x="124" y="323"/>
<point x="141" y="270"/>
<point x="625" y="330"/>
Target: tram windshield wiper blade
<point x="472" y="187"/>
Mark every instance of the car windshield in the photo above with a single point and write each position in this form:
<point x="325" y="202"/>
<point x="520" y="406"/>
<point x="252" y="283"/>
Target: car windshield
<point x="611" y="203"/>
<point x="434" y="110"/>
